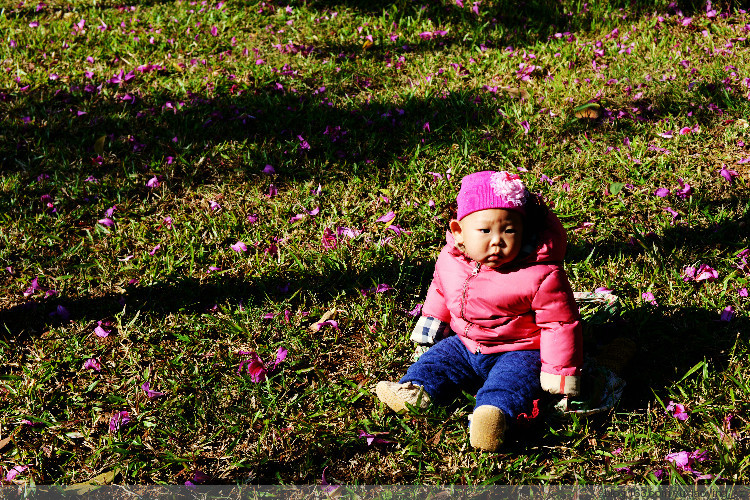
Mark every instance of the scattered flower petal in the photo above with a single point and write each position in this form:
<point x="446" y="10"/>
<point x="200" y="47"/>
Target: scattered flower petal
<point x="118" y="420"/>
<point x="677" y="411"/>
<point x="239" y="247"/>
<point x="387" y="217"/>
<point x="151" y="394"/>
<point x="92" y="364"/>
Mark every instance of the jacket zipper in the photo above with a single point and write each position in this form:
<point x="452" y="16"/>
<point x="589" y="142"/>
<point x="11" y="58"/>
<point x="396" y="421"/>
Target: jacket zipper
<point x="463" y="301"/>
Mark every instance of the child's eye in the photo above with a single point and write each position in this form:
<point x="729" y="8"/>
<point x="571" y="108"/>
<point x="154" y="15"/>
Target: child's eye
<point x="485" y="231"/>
<point x="510" y="231"/>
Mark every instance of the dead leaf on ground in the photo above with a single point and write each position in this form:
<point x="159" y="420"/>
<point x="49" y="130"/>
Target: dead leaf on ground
<point x="93" y="483"/>
<point x="588" y="111"/>
<point x="99" y="145"/>
<point x="517" y="92"/>
<point x="4" y="442"/>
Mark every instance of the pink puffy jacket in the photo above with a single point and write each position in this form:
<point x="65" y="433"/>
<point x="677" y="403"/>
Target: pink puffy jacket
<point x="525" y="305"/>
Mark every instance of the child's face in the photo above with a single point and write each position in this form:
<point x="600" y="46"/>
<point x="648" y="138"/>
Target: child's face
<point x="491" y="237"/>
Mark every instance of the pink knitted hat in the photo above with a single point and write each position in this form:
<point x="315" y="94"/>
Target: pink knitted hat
<point x="488" y="189"/>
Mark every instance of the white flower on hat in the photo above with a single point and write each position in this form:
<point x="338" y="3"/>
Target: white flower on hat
<point x="509" y="187"/>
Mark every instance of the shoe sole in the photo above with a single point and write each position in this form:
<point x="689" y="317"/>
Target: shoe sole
<point x="487" y="430"/>
<point x="395" y="402"/>
<point x="387" y="396"/>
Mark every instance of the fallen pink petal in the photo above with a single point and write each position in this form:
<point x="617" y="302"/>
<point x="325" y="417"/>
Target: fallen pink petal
<point x="330" y="323"/>
<point x="239" y="247"/>
<point x="119" y="420"/>
<point x="150" y="393"/>
<point x="727" y="314"/>
<point x="92" y="364"/>
<point x="387" y="217"/>
<point x="677" y="410"/>
<point x="699" y="273"/>
<point x="376" y="438"/>
<point x="327" y="488"/>
<point x="100" y="331"/>
<point x="14" y="471"/>
<point x="255" y="367"/>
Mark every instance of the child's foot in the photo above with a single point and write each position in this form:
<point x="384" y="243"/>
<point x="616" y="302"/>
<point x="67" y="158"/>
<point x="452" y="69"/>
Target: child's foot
<point x="396" y="395"/>
<point x="487" y="430"/>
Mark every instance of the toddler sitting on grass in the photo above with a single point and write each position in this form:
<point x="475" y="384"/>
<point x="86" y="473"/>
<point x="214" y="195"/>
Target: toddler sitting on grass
<point x="499" y="310"/>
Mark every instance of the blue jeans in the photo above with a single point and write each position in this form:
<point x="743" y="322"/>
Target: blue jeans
<point x="507" y="380"/>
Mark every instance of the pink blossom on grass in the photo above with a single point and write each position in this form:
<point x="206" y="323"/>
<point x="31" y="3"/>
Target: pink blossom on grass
<point x="92" y="364"/>
<point x="525" y="126"/>
<point x="699" y="273"/>
<point x="381" y="288"/>
<point x="153" y="182"/>
<point x="329" y="239"/>
<point x="743" y="292"/>
<point x="239" y="247"/>
<point x="685" y="190"/>
<point x="662" y="192"/>
<point x="60" y="311"/>
<point x="387" y="217"/>
<point x="677" y="410"/>
<point x="100" y="331"/>
<point x="673" y="213"/>
<point x="684" y="461"/>
<point x="33" y="287"/>
<point x="727" y="174"/>
<point x="151" y="394"/>
<point x="328" y="323"/>
<point x="119" y="419"/>
<point x="198" y="477"/>
<point x="272" y="191"/>
<point x="348" y="232"/>
<point x="374" y="438"/>
<point x="155" y="249"/>
<point x="258" y="370"/>
<point x="649" y="297"/>
<point x="252" y="218"/>
<point x="107" y="222"/>
<point x="269" y="170"/>
<point x="14" y="471"/>
<point x="727" y="314"/>
<point x="214" y="205"/>
<point x="327" y="488"/>
<point x="416" y="311"/>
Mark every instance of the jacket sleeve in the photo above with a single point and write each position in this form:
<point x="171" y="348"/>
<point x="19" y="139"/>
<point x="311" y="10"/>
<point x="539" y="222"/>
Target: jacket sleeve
<point x="560" y="343"/>
<point x="434" y="303"/>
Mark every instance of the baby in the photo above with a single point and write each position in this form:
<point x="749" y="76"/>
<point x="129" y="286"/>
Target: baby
<point x="499" y="311"/>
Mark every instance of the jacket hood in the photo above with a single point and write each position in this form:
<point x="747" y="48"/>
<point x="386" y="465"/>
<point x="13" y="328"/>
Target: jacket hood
<point x="550" y="244"/>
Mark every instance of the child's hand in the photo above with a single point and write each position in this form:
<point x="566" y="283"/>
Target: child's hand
<point x="570" y="385"/>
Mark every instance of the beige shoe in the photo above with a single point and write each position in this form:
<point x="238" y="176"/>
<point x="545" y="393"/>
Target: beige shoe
<point x="487" y="430"/>
<point x="396" y="395"/>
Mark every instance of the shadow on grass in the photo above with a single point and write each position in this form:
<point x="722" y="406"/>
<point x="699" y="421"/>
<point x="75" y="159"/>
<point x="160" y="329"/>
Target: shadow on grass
<point x="188" y="295"/>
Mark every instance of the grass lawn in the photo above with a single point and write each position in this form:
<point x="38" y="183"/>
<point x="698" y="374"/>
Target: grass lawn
<point x="188" y="188"/>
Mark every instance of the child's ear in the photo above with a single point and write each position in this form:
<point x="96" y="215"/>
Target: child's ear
<point x="455" y="228"/>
